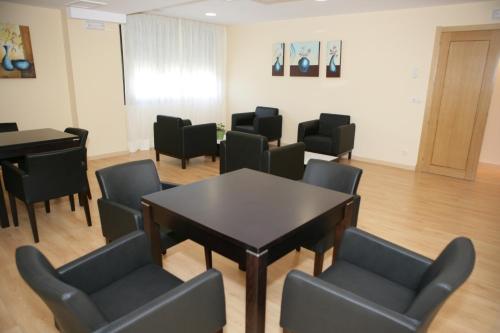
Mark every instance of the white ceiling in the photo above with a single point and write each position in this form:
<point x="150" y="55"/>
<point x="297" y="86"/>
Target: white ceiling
<point x="249" y="11"/>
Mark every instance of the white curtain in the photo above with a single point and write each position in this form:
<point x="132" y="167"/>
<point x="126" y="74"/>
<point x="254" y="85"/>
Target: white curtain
<point x="173" y="67"/>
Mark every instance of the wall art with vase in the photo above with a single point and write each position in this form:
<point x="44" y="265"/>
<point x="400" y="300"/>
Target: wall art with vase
<point x="334" y="55"/>
<point x="304" y="59"/>
<point x="16" y="53"/>
<point x="278" y="60"/>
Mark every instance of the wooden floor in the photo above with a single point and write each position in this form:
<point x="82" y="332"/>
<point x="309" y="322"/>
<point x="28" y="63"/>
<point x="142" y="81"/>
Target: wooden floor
<point x="420" y="211"/>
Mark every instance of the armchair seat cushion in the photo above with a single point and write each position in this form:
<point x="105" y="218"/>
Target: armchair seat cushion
<point x="133" y="291"/>
<point x="369" y="285"/>
<point x="319" y="143"/>
<point x="245" y="128"/>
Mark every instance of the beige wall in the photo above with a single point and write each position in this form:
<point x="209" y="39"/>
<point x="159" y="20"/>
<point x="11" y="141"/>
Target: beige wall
<point x="43" y="101"/>
<point x="380" y="53"/>
<point x="78" y="83"/>
<point x="490" y="152"/>
<point x="97" y="76"/>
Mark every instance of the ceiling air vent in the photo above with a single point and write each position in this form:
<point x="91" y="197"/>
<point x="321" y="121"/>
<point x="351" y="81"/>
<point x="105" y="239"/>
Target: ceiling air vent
<point x="86" y="4"/>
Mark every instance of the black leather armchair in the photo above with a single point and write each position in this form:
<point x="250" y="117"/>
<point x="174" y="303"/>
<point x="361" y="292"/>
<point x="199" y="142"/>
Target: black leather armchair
<point x="118" y="288"/>
<point x="8" y="127"/>
<point x="243" y="150"/>
<point x="46" y="176"/>
<point x="337" y="177"/>
<point x="332" y="134"/>
<point x="178" y="138"/>
<point x="264" y="121"/>
<point x="375" y="286"/>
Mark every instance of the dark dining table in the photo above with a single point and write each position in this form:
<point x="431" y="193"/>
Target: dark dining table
<point x="250" y="217"/>
<point x="21" y="143"/>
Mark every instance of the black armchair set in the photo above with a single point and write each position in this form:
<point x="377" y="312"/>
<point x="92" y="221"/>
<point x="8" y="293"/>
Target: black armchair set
<point x="243" y="150"/>
<point x="375" y="286"/>
<point x="179" y="138"/>
<point x="118" y="288"/>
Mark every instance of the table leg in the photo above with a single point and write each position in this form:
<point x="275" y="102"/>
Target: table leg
<point x="256" y="269"/>
<point x="4" y="219"/>
<point x="341" y="227"/>
<point x="152" y="229"/>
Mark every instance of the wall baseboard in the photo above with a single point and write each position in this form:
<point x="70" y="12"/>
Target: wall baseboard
<point x="118" y="153"/>
<point x="384" y="163"/>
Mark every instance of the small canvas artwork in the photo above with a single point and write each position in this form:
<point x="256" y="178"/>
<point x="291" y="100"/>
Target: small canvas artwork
<point x="15" y="52"/>
<point x="334" y="55"/>
<point x="278" y="63"/>
<point x="304" y="59"/>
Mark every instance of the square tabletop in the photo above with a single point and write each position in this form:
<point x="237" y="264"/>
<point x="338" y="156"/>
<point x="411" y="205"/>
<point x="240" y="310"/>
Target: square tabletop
<point x="253" y="209"/>
<point x="44" y="135"/>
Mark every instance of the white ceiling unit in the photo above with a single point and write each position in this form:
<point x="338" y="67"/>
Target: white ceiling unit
<point x="95" y="15"/>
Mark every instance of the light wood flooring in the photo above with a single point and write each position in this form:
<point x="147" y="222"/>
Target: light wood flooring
<point x="420" y="211"/>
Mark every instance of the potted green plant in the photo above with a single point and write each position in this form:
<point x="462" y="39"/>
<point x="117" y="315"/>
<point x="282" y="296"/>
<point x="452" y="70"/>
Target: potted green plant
<point x="221" y="131"/>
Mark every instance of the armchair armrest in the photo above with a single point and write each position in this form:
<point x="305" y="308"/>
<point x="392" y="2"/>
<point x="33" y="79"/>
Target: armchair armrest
<point x="307" y="128"/>
<point x="101" y="267"/>
<point x="199" y="140"/>
<point x="117" y="219"/>
<point x="343" y="139"/>
<point x="245" y="118"/>
<point x="286" y="161"/>
<point x="382" y="257"/>
<point x="203" y="296"/>
<point x="167" y="185"/>
<point x="222" y="157"/>
<point x="14" y="179"/>
<point x="312" y="305"/>
<point x="270" y="127"/>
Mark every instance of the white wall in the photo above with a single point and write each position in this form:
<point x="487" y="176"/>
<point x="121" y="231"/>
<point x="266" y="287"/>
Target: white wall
<point x="380" y="52"/>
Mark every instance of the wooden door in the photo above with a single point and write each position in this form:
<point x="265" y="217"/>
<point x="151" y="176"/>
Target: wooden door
<point x="459" y="101"/>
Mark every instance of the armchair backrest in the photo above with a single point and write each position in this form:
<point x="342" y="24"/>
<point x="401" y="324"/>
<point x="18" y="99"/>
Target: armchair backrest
<point x="127" y="183"/>
<point x="332" y="175"/>
<point x="244" y="150"/>
<point x="264" y="111"/>
<point x="82" y="134"/>
<point x="285" y="161"/>
<point x="448" y="272"/>
<point x="72" y="308"/>
<point x="8" y="127"/>
<point x="168" y="135"/>
<point x="54" y="174"/>
<point x="329" y="121"/>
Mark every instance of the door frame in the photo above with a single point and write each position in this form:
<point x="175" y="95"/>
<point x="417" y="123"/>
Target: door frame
<point x="424" y="136"/>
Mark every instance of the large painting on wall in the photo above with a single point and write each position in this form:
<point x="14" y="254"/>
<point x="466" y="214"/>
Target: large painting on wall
<point x="278" y="63"/>
<point x="334" y="53"/>
<point x="15" y="52"/>
<point x="304" y="59"/>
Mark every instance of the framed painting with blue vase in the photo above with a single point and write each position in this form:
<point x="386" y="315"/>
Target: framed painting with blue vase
<point x="304" y="59"/>
<point x="334" y="54"/>
<point x="278" y="61"/>
<point x="16" y="53"/>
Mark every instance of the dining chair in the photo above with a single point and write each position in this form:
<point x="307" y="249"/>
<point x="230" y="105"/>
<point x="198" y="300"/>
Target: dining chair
<point x="337" y="177"/>
<point x="375" y="286"/>
<point x="118" y="288"/>
<point x="45" y="176"/>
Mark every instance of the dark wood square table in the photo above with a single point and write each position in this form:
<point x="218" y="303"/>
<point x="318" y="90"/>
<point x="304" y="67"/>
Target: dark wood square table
<point x="250" y="217"/>
<point x="21" y="143"/>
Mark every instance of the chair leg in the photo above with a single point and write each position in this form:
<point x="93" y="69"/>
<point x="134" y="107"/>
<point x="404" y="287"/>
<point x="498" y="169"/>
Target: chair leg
<point x="157" y="153"/>
<point x="13" y="208"/>
<point x="164" y="252"/>
<point x="184" y="163"/>
<point x="279" y="142"/>
<point x="350" y="155"/>
<point x="80" y="199"/>
<point x="85" y="202"/>
<point x="286" y="331"/>
<point x="219" y="331"/>
<point x="108" y="240"/>
<point x="208" y="258"/>
<point x="32" y="218"/>
<point x="297" y="249"/>
<point x="47" y="206"/>
<point x="214" y="158"/>
<point x="318" y="263"/>
<point x="89" y="195"/>
<point x="242" y="267"/>
<point x="72" y="202"/>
